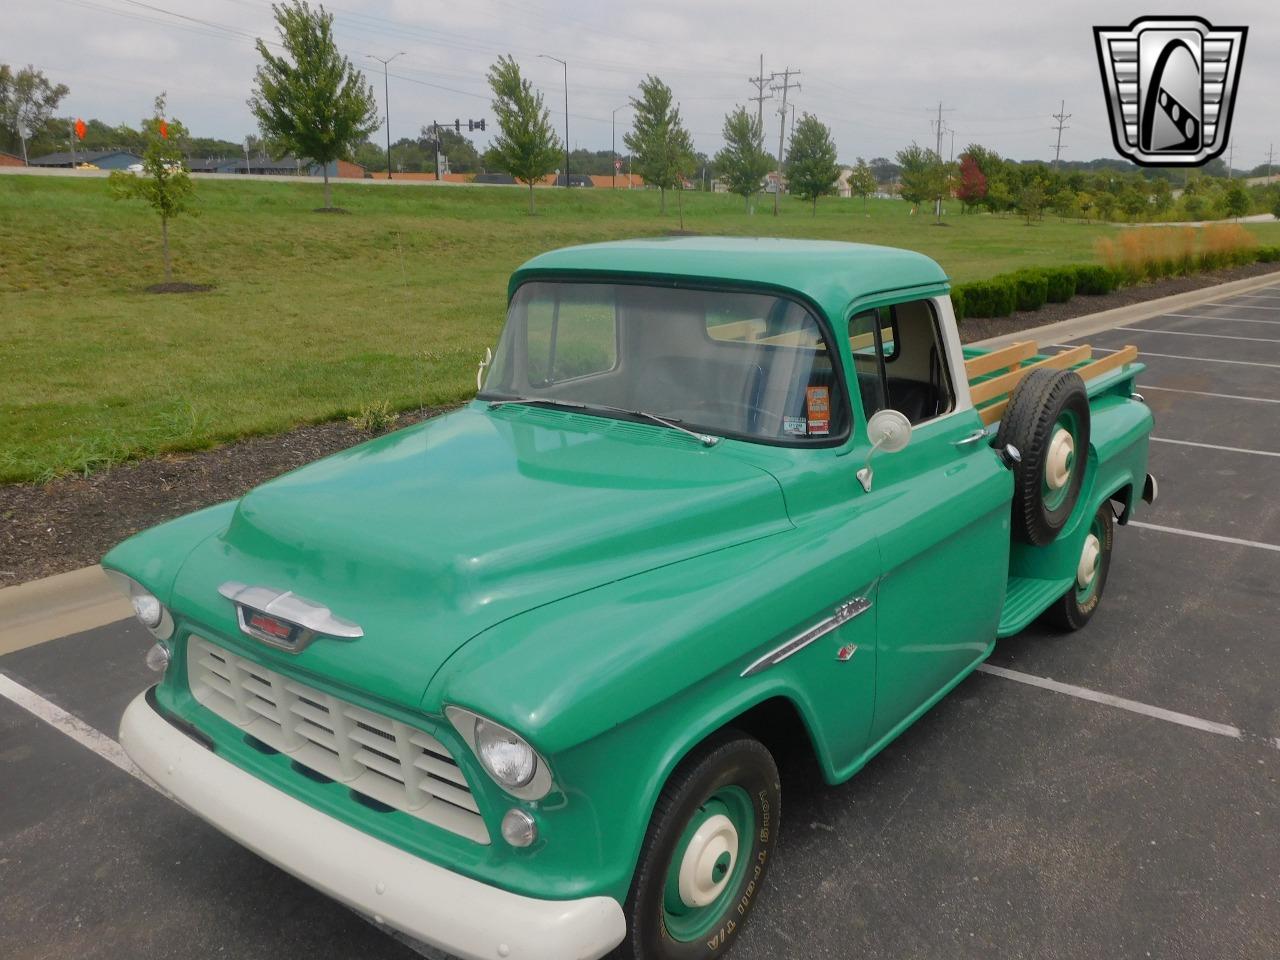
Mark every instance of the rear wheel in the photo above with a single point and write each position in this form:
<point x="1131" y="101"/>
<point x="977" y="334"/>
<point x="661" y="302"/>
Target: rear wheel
<point x="1075" y="607"/>
<point x="706" y="853"/>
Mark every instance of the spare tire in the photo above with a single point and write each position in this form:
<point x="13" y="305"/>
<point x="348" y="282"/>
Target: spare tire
<point x="1048" y="421"/>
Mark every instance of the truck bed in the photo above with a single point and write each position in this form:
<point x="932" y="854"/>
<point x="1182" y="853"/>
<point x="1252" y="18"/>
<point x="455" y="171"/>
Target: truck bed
<point x="994" y="373"/>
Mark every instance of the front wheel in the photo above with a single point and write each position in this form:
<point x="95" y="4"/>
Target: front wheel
<point x="1074" y="608"/>
<point x="706" y="853"/>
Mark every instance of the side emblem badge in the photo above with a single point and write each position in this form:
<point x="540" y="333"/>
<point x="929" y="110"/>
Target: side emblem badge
<point x="845" y="653"/>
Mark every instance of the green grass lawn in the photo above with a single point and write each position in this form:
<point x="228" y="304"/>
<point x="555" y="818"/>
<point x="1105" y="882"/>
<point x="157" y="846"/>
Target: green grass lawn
<point x="314" y="317"/>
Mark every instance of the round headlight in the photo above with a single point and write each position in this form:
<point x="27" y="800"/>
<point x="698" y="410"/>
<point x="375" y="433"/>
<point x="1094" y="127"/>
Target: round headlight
<point x="506" y="756"/>
<point x="146" y="608"/>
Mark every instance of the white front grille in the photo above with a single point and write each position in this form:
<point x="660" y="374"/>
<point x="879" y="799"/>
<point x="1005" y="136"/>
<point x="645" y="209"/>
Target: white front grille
<point x="384" y="759"/>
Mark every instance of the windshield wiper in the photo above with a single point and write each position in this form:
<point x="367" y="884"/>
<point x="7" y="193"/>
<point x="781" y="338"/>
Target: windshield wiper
<point x="703" y="438"/>
<point x="550" y="401"/>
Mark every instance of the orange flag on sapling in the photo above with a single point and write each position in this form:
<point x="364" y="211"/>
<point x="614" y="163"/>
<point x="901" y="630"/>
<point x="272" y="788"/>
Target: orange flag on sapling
<point x="164" y="129"/>
<point x="80" y="129"/>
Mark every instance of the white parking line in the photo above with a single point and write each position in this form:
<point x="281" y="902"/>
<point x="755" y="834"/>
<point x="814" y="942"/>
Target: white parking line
<point x="1133" y="706"/>
<point x="1241" y="306"/>
<point x="1216" y="537"/>
<point x="113" y="753"/>
<point x="1216" y="336"/>
<point x="1201" y="316"/>
<point x="1214" y="446"/>
<point x="73" y="727"/>
<point x="1203" y="393"/>
<point x="1178" y="356"/>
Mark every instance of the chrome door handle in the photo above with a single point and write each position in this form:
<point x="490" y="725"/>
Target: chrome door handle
<point x="975" y="437"/>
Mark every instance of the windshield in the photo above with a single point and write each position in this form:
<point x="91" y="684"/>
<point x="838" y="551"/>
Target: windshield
<point x="747" y="365"/>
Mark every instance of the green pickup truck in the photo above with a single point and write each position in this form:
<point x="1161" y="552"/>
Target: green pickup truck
<point x="514" y="681"/>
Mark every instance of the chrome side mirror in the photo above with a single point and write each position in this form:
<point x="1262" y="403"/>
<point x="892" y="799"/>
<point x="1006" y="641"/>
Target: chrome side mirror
<point x="889" y="431"/>
<point x="484" y="365"/>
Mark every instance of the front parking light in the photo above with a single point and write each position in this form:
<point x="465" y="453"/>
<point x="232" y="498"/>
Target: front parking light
<point x="519" y="828"/>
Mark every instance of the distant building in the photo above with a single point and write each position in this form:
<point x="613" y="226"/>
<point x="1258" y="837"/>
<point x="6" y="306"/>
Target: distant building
<point x="102" y="159"/>
<point x="624" y="181"/>
<point x="10" y="160"/>
<point x="262" y="165"/>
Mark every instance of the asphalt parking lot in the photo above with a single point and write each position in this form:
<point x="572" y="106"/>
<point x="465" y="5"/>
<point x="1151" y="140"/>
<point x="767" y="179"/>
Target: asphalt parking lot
<point x="1112" y="793"/>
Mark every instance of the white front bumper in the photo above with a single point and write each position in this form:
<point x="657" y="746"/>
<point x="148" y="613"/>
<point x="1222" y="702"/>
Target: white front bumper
<point x="445" y="909"/>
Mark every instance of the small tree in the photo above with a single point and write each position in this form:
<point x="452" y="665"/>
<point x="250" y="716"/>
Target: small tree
<point x="924" y="176"/>
<point x="812" y="170"/>
<point x="27" y="101"/>
<point x="743" y="161"/>
<point x="1236" y="201"/>
<point x="526" y="146"/>
<point x="164" y="183"/>
<point x="972" y="190"/>
<point x="1275" y="203"/>
<point x="311" y="100"/>
<point x="1135" y="200"/>
<point x="862" y="182"/>
<point x="1031" y="200"/>
<point x="661" y="146"/>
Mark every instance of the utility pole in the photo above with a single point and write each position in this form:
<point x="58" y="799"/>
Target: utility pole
<point x="1271" y="149"/>
<point x="953" y="147"/>
<point x="760" y="81"/>
<point x="1231" y="159"/>
<point x="937" y="152"/>
<point x="613" y="145"/>
<point x="1062" y="117"/>
<point x="386" y="100"/>
<point x="547" y="56"/>
<point x="786" y="86"/>
<point x="792" y="134"/>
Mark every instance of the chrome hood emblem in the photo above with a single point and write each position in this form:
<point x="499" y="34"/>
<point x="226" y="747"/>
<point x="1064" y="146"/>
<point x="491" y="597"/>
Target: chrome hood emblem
<point x="283" y="619"/>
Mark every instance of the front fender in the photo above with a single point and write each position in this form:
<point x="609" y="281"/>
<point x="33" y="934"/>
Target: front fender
<point x="154" y="556"/>
<point x="616" y="685"/>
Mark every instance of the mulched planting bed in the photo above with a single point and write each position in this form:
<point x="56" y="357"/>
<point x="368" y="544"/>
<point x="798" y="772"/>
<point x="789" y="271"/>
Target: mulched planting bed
<point x="71" y="522"/>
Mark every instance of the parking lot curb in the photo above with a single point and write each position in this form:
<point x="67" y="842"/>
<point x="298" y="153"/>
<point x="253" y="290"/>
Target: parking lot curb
<point x="1110" y="319"/>
<point x="57" y="606"/>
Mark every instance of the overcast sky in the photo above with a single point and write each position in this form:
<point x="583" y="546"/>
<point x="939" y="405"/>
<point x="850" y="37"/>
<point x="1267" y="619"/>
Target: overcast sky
<point x="873" y="71"/>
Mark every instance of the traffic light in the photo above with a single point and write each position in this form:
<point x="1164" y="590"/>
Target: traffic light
<point x="475" y="124"/>
<point x="457" y="126"/>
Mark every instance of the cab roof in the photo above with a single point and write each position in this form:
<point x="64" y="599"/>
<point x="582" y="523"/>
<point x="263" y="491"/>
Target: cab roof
<point x="830" y="273"/>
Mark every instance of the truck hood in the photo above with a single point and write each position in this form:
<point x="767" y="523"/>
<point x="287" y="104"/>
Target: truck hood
<point x="431" y="535"/>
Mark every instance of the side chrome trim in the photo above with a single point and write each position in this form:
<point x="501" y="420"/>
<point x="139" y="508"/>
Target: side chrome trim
<point x="843" y="614"/>
<point x="314" y="618"/>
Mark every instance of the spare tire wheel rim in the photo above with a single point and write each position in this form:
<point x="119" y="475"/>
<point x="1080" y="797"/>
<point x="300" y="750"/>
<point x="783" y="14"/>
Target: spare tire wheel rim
<point x="1057" y="466"/>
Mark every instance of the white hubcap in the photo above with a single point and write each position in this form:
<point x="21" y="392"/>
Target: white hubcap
<point x="708" y="861"/>
<point x="1089" y="558"/>
<point x="1057" y="466"/>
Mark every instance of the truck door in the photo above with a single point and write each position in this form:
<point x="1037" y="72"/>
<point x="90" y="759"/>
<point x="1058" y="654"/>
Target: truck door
<point x="940" y="509"/>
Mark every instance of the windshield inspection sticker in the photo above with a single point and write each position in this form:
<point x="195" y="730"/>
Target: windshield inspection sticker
<point x="819" y="406"/>
<point x="797" y="426"/>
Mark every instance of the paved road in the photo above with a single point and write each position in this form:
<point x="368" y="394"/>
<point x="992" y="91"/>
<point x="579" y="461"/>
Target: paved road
<point x="1012" y="821"/>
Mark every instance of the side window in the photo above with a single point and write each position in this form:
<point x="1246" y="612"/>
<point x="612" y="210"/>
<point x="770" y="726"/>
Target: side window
<point x="573" y="333"/>
<point x="900" y="362"/>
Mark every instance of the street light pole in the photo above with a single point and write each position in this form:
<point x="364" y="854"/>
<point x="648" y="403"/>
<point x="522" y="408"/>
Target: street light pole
<point x="386" y="98"/>
<point x="564" y="64"/>
<point x="613" y="146"/>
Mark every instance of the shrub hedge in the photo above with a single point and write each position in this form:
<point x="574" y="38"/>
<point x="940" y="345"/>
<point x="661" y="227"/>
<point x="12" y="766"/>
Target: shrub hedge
<point x="1031" y="288"/>
<point x="1060" y="283"/>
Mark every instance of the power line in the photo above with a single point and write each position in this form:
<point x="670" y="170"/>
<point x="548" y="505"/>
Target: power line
<point x="1062" y="117"/>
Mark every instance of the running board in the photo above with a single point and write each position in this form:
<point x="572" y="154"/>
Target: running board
<point x="1025" y="598"/>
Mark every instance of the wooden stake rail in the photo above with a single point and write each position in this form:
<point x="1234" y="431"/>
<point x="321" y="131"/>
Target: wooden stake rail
<point x="1010" y="359"/>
